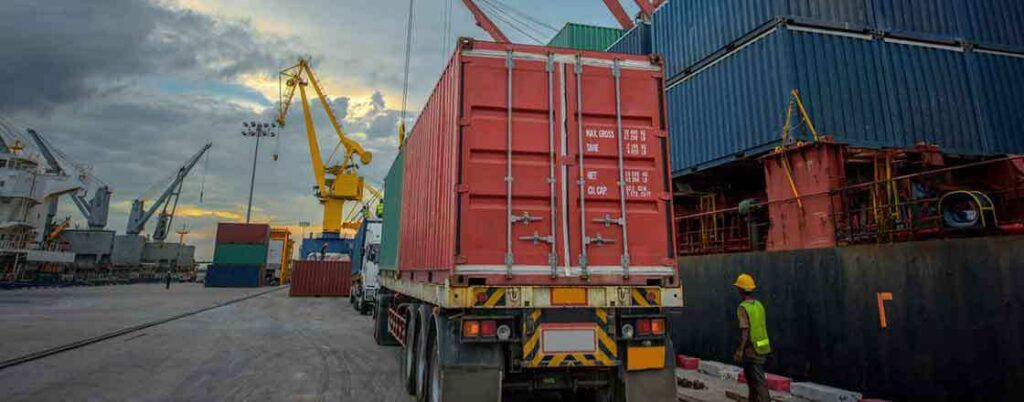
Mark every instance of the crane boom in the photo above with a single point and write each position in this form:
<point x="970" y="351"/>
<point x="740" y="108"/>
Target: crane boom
<point x="619" y="13"/>
<point x="485" y="22"/>
<point x="139" y="215"/>
<point x="335" y="183"/>
<point x="95" y="210"/>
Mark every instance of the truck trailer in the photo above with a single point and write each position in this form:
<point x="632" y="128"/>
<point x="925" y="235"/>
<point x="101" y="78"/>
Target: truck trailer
<point x="527" y="235"/>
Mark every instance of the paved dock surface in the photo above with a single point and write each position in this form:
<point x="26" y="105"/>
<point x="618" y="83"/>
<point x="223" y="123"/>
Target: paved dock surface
<point x="270" y="347"/>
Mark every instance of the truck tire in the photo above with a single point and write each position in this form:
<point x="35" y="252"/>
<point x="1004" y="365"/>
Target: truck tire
<point x="411" y="338"/>
<point x="364" y="307"/>
<point x="380" y="322"/>
<point x="424" y="316"/>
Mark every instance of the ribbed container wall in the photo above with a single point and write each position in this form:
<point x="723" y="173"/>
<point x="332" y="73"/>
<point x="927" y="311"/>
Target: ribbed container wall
<point x="863" y="92"/>
<point x="321" y="279"/>
<point x="687" y="31"/>
<point x="242" y="233"/>
<point x="999" y="90"/>
<point x="390" y="238"/>
<point x="486" y="146"/>
<point x="234" y="276"/>
<point x="636" y="41"/>
<point x="428" y="205"/>
<point x="240" y="254"/>
<point x="585" y="37"/>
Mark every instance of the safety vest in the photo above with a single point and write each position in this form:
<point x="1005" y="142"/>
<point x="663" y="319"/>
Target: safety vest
<point x="380" y="209"/>
<point x="758" y="327"/>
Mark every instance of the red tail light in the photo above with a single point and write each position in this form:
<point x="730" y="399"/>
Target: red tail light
<point x="488" y="328"/>
<point x="643" y="326"/>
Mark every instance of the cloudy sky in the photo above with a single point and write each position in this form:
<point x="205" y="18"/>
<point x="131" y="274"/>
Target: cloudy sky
<point x="132" y="88"/>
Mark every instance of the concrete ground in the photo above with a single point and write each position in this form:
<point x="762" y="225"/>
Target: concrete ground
<point x="270" y="347"/>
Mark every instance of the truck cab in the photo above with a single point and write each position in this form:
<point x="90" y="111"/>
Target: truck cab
<point x="365" y="254"/>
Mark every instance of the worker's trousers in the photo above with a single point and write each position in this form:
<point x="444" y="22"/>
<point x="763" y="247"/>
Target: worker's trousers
<point x="757" y="384"/>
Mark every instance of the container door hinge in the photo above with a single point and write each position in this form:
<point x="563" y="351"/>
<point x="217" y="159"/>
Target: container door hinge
<point x="608" y="221"/>
<point x="462" y="188"/>
<point x="525" y="218"/>
<point x="625" y="265"/>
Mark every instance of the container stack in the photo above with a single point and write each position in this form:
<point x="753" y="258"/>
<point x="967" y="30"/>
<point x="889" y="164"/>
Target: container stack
<point x="873" y="74"/>
<point x="240" y="256"/>
<point x="585" y="37"/>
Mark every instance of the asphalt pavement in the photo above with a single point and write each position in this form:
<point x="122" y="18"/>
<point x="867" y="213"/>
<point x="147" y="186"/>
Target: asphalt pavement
<point x="269" y="347"/>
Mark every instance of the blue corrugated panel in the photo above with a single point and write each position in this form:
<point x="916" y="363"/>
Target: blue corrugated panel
<point x="334" y="243"/>
<point x="933" y="18"/>
<point x="635" y="41"/>
<point x="999" y="89"/>
<point x="234" y="276"/>
<point x="996" y="22"/>
<point x="686" y="31"/>
<point x="860" y="91"/>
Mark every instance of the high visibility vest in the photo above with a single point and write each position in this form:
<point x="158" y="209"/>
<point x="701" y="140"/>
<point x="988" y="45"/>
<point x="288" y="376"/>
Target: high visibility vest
<point x="758" y="327"/>
<point x="380" y="209"/>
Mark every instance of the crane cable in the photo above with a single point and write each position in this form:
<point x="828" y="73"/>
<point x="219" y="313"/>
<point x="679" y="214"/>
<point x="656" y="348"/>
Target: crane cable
<point x="408" y="53"/>
<point x="510" y="20"/>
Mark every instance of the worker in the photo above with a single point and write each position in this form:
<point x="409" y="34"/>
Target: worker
<point x="380" y="208"/>
<point x="754" y="346"/>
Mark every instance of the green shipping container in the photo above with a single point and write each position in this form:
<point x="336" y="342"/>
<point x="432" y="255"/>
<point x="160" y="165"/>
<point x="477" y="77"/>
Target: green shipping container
<point x="585" y="37"/>
<point x="393" y="183"/>
<point x="240" y="254"/>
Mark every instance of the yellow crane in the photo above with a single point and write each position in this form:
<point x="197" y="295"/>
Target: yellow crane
<point x="354" y="219"/>
<point x="336" y="183"/>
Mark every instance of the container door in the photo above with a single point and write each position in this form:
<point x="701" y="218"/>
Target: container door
<point x="510" y="198"/>
<point x="615" y="135"/>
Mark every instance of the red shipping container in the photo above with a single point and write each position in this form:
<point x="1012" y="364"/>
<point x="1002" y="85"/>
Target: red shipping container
<point x="321" y="279"/>
<point x="242" y="233"/>
<point x="803" y="218"/>
<point x="523" y="187"/>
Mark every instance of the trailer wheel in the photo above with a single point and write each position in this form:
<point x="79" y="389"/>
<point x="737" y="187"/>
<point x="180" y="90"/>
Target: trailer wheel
<point x="435" y="377"/>
<point x="424" y="336"/>
<point x="380" y="322"/>
<point x="411" y="339"/>
<point x="364" y="307"/>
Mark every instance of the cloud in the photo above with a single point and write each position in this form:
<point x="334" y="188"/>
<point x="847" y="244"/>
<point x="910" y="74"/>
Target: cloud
<point x="61" y="51"/>
<point x="192" y="211"/>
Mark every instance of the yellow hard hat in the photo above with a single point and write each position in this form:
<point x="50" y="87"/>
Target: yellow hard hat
<point x="745" y="282"/>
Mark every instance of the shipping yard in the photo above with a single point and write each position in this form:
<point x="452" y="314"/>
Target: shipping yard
<point x="647" y="200"/>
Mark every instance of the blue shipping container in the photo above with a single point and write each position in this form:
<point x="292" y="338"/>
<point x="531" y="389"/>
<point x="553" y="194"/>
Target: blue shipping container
<point x="234" y="276"/>
<point x="334" y="243"/>
<point x="635" y="41"/>
<point x="861" y="91"/>
<point x="688" y="31"/>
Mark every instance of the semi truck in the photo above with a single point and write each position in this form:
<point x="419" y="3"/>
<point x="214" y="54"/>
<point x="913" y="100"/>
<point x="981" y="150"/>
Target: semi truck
<point x="528" y="241"/>
<point x="365" y="248"/>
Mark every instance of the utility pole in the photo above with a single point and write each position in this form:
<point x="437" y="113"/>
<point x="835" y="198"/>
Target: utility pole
<point x="258" y="130"/>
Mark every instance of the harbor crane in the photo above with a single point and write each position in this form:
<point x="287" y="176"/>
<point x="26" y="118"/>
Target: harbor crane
<point x="171" y="188"/>
<point x="96" y="209"/>
<point x="335" y="183"/>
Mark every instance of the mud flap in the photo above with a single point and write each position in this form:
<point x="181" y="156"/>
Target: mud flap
<point x="469" y="372"/>
<point x="652" y="385"/>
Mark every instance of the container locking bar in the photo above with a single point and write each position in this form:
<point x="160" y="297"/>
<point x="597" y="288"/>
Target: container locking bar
<point x="509" y="257"/>
<point x="617" y="73"/>
<point x="598" y="240"/>
<point x="578" y="69"/>
<point x="552" y="160"/>
<point x="537" y="239"/>
<point x="607" y="221"/>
